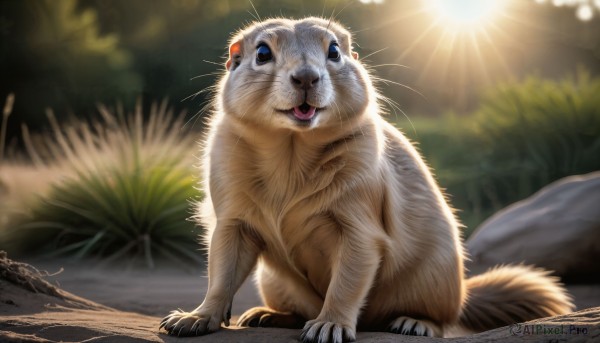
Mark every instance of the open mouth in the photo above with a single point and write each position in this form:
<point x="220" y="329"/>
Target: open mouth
<point x="303" y="113"/>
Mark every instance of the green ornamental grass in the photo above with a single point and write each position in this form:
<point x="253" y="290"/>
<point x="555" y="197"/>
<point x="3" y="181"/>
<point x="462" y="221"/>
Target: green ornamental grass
<point x="128" y="190"/>
<point x="536" y="131"/>
<point x="524" y="135"/>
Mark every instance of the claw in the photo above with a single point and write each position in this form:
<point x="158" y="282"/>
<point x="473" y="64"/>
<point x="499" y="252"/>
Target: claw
<point x="163" y="325"/>
<point x="337" y="332"/>
<point x="227" y="315"/>
<point x="183" y="324"/>
<point x="327" y="332"/>
<point x="253" y="323"/>
<point x="194" y="326"/>
<point x="164" y="322"/>
<point x="412" y="327"/>
<point x="303" y="336"/>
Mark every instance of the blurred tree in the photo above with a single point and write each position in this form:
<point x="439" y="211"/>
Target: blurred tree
<point x="53" y="55"/>
<point x="174" y="42"/>
<point x="69" y="54"/>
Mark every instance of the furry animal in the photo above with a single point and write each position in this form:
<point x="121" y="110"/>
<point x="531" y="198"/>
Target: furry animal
<point x="334" y="207"/>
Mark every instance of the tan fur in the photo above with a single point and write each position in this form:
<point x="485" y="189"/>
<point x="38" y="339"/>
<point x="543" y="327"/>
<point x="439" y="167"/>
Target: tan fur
<point x="489" y="307"/>
<point x="344" y="220"/>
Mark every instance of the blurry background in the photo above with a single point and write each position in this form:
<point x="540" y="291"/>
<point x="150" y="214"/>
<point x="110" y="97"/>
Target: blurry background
<point x="502" y="97"/>
<point x="69" y="55"/>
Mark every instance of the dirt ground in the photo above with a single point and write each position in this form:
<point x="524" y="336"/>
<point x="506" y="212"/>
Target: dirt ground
<point x="156" y="292"/>
<point x="141" y="297"/>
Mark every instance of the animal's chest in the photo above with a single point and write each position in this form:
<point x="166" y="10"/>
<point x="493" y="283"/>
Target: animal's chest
<point x="304" y="242"/>
<point x="281" y="206"/>
<point x="298" y="227"/>
<point x="285" y="193"/>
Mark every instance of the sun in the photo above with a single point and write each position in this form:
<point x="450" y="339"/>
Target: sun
<point x="461" y="39"/>
<point x="465" y="14"/>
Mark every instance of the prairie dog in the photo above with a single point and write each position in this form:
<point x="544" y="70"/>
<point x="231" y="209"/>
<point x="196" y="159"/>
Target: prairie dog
<point x="336" y="209"/>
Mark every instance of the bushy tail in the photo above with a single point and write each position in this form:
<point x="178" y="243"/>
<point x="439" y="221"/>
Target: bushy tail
<point x="512" y="294"/>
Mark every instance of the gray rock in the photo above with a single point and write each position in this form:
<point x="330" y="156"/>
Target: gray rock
<point x="557" y="228"/>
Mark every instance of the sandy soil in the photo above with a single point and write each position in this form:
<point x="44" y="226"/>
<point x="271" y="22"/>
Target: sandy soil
<point x="156" y="292"/>
<point x="126" y="306"/>
<point x="150" y="292"/>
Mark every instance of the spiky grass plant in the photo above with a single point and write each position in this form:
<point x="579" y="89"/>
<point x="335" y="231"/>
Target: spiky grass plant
<point x="126" y="192"/>
<point x="8" y="107"/>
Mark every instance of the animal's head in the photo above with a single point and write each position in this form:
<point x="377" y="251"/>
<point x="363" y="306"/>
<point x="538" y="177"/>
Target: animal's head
<point x="295" y="74"/>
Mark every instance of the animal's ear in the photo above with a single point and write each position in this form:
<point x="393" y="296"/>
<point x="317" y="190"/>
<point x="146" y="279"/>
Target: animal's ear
<point x="346" y="43"/>
<point x="235" y="55"/>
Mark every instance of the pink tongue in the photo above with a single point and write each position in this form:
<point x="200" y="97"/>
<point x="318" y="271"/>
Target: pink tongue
<point x="304" y="116"/>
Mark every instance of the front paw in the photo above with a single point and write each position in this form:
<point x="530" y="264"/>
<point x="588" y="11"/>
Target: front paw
<point x="318" y="331"/>
<point x="180" y="323"/>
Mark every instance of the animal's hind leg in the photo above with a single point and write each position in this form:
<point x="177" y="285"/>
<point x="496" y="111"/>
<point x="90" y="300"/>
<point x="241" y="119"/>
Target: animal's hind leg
<point x="415" y="327"/>
<point x="266" y="317"/>
<point x="287" y="305"/>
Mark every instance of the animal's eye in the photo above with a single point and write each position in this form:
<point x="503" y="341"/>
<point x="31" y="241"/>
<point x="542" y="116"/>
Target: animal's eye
<point x="263" y="54"/>
<point x="334" y="52"/>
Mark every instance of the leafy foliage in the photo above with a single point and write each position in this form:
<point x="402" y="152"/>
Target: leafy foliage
<point x="54" y="54"/>
<point x="537" y="131"/>
<point x="126" y="192"/>
<point x="524" y="135"/>
<point x="69" y="54"/>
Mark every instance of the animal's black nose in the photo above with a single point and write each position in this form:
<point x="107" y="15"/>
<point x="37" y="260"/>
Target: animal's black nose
<point x="305" y="78"/>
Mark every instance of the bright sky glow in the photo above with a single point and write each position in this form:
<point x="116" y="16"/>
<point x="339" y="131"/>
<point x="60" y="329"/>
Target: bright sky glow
<point x="585" y="9"/>
<point x="466" y="13"/>
<point x="585" y="12"/>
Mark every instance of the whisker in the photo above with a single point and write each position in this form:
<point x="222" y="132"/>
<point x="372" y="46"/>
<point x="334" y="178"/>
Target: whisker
<point x="268" y="74"/>
<point x="343" y="79"/>
<point x="373" y="53"/>
<point x="253" y="16"/>
<point x="211" y="62"/>
<point x="330" y="19"/>
<point x="339" y="114"/>
<point x="205" y="90"/>
<point x="257" y="17"/>
<point x="259" y="81"/>
<point x="264" y="73"/>
<point x="342" y="10"/>
<point x="323" y="10"/>
<point x="390" y="65"/>
<point x="255" y="11"/>
<point x="395" y="106"/>
<point x="386" y="81"/>
<point x="252" y="93"/>
<point x="205" y="106"/>
<point x="209" y="74"/>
